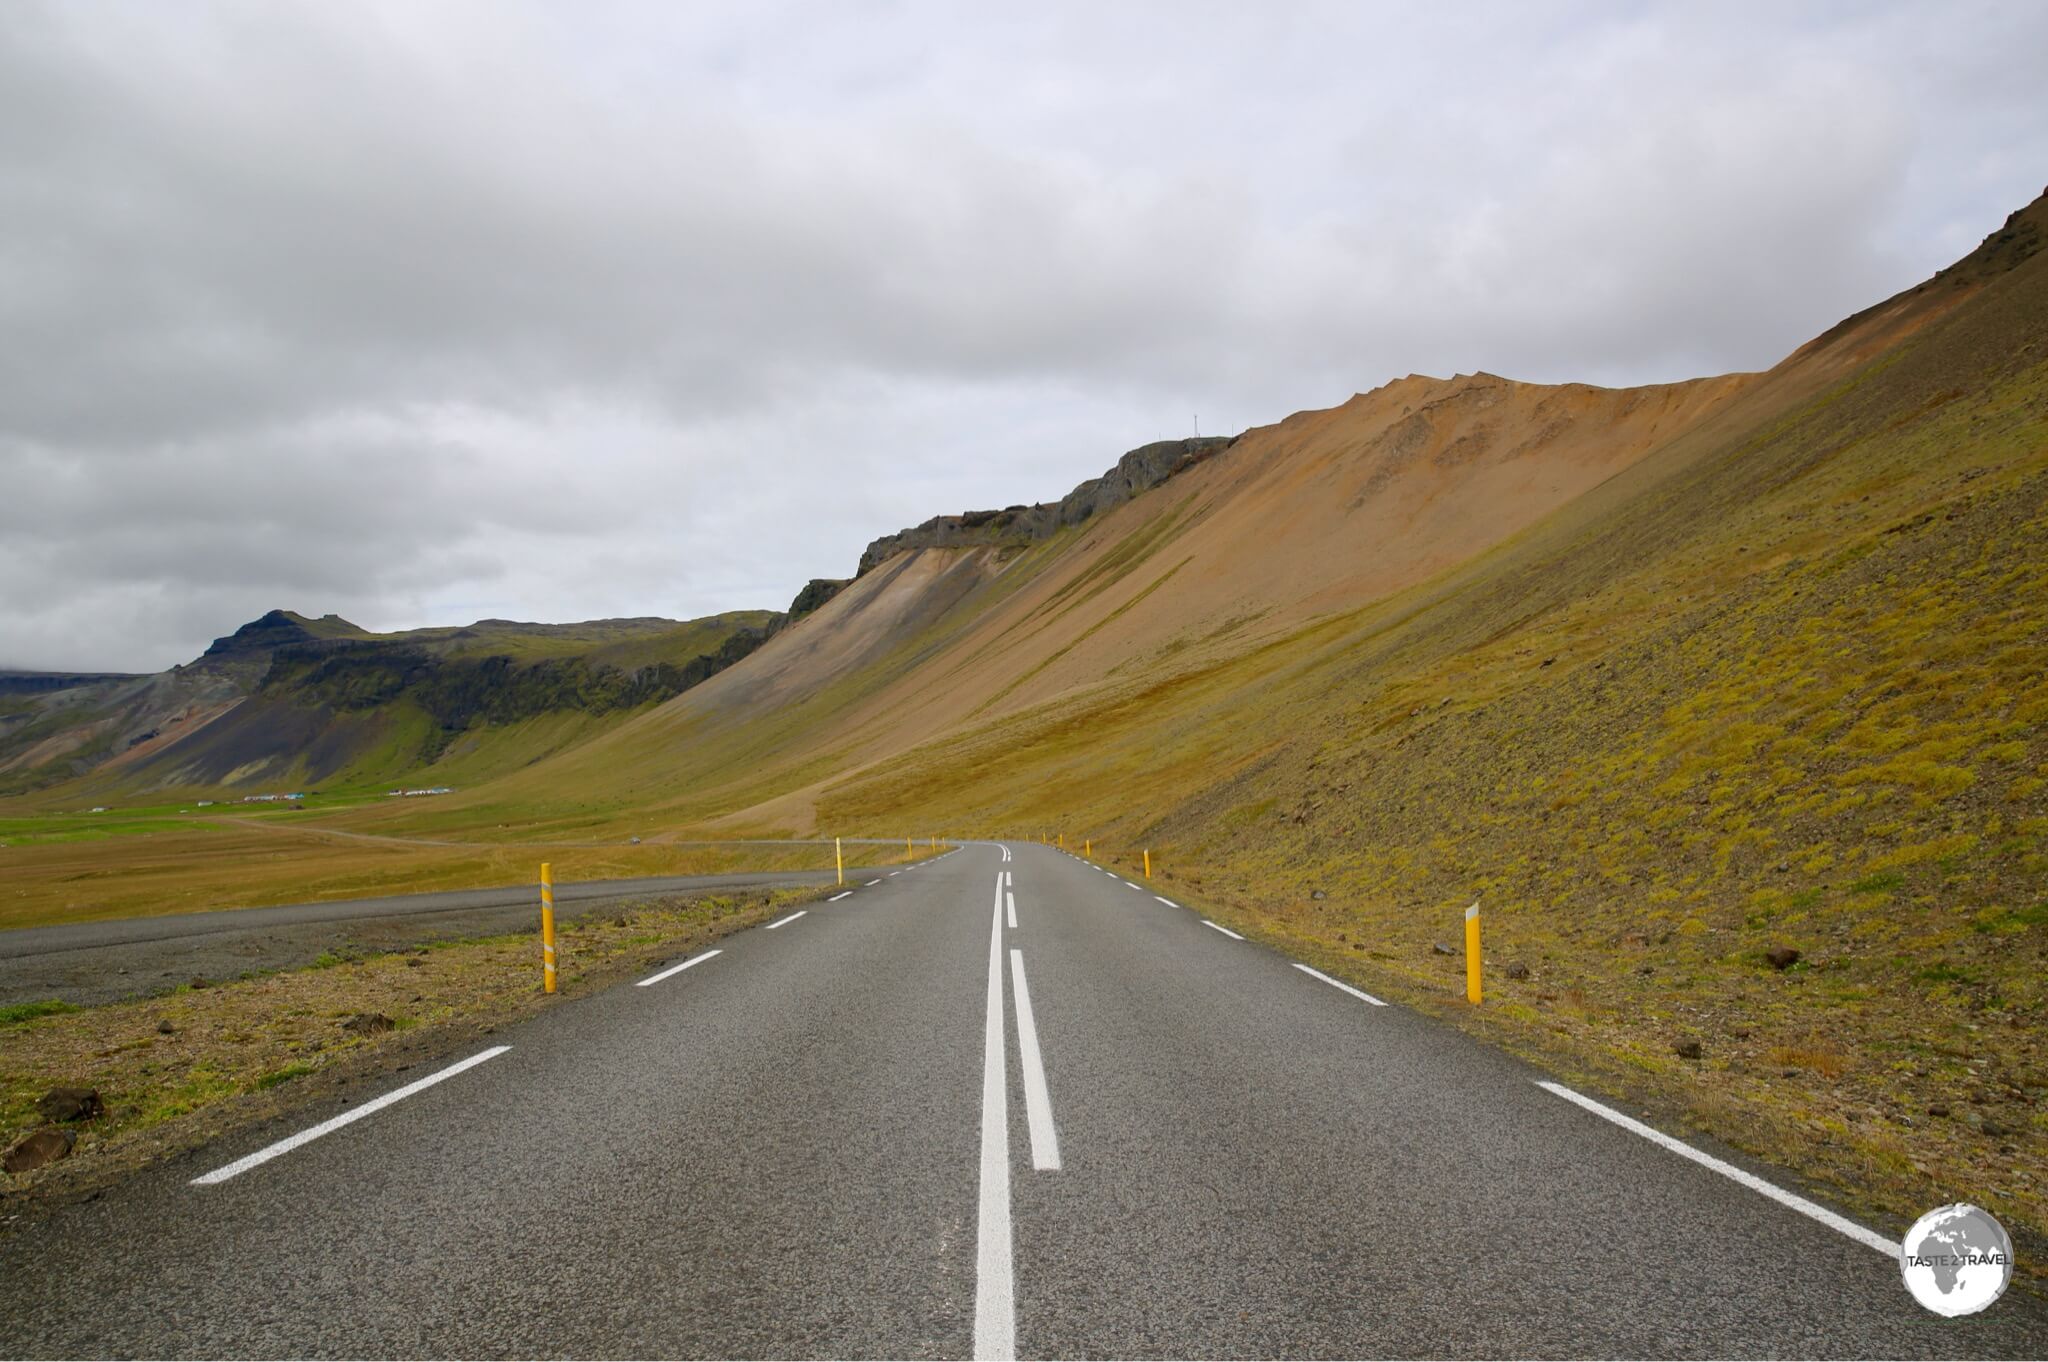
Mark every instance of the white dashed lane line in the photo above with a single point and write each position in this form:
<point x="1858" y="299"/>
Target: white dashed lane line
<point x="836" y="897"/>
<point x="786" y="921"/>
<point x="673" y="970"/>
<point x="311" y="1133"/>
<point x="1168" y="902"/>
<point x="1225" y="930"/>
<point x="1337" y="983"/>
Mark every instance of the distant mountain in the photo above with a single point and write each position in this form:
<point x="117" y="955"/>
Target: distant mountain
<point x="292" y="699"/>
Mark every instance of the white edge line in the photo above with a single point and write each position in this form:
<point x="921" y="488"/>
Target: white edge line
<point x="1225" y="930"/>
<point x="1011" y="899"/>
<point x="786" y="921"/>
<point x="327" y="1127"/>
<point x="1338" y="983"/>
<point x="1045" y="1140"/>
<point x="871" y="884"/>
<point x="1869" y="1238"/>
<point x="675" y="969"/>
<point x="836" y="897"/>
<point x="1168" y="902"/>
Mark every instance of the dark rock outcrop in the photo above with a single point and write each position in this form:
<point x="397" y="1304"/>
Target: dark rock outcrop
<point x="818" y="591"/>
<point x="1135" y="473"/>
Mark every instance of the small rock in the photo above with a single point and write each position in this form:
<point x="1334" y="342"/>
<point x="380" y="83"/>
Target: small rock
<point x="1686" y="1049"/>
<point x="1517" y="970"/>
<point x="1440" y="948"/>
<point x="1995" y="1129"/>
<point x="1319" y="896"/>
<point x="164" y="1028"/>
<point x="369" y="1024"/>
<point x="201" y="981"/>
<point x="413" y="962"/>
<point x="39" y="1147"/>
<point x="70" y="1104"/>
<point x="1781" y="957"/>
<point x="1938" y="1109"/>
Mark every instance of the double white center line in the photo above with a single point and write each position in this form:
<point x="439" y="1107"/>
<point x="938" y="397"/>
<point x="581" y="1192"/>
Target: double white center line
<point x="995" y="1302"/>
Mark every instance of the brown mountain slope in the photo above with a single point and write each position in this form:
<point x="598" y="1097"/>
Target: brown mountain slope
<point x="1320" y="514"/>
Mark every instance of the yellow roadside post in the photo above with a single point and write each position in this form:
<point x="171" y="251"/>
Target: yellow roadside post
<point x="1472" y="954"/>
<point x="1148" y="863"/>
<point x="907" y="852"/>
<point x="839" y="858"/>
<point x="547" y="926"/>
<point x="1088" y="847"/>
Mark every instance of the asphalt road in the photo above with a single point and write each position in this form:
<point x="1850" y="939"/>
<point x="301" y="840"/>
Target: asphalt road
<point x="98" y="962"/>
<point x="841" y="1137"/>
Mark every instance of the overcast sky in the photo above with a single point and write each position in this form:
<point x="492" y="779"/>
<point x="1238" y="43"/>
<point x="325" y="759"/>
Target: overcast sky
<point x="426" y="312"/>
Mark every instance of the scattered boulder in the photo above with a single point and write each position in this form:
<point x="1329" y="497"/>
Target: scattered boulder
<point x="1439" y="948"/>
<point x="1517" y="970"/>
<point x="62" y="1105"/>
<point x="201" y="981"/>
<point x="1686" y="1049"/>
<point x="1781" y="957"/>
<point x="413" y="962"/>
<point x="1938" y="1109"/>
<point x="164" y="1027"/>
<point x="38" y="1148"/>
<point x="369" y="1024"/>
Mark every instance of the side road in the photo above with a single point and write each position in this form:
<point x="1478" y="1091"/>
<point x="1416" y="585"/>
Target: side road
<point x="89" y="963"/>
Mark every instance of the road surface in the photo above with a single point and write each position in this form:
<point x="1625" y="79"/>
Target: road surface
<point x="1001" y="1103"/>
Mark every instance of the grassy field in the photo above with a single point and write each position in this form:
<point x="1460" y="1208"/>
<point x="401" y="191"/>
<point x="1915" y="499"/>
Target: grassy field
<point x="173" y="865"/>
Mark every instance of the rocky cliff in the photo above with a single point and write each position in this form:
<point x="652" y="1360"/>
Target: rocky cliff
<point x="1138" y="471"/>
